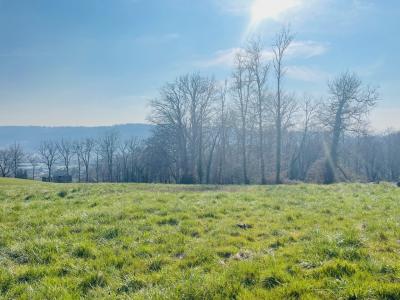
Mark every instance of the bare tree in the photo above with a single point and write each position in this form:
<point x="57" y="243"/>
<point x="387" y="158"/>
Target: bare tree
<point x="158" y="158"/>
<point x="371" y="152"/>
<point x="65" y="149"/>
<point x="242" y="81"/>
<point x="97" y="151"/>
<point x="280" y="47"/>
<point x="169" y="112"/>
<point x="303" y="156"/>
<point x="213" y="136"/>
<point x="109" y="145"/>
<point x="134" y="151"/>
<point x="17" y="155"/>
<point x="223" y="133"/>
<point x="391" y="149"/>
<point x="77" y="150"/>
<point x="123" y="152"/>
<point x="48" y="155"/>
<point x="346" y="110"/>
<point x="200" y="94"/>
<point x="5" y="162"/>
<point x="184" y="110"/>
<point x="86" y="149"/>
<point x="259" y="70"/>
<point x="34" y="161"/>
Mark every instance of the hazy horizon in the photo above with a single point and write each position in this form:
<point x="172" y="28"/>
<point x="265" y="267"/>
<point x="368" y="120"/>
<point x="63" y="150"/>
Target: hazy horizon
<point x="77" y="126"/>
<point x="75" y="63"/>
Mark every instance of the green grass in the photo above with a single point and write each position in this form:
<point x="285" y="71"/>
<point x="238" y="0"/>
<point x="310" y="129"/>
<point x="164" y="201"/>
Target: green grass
<point x="136" y="241"/>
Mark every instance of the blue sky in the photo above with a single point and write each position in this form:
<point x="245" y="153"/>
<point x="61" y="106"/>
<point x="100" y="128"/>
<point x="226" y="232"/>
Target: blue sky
<point x="98" y="62"/>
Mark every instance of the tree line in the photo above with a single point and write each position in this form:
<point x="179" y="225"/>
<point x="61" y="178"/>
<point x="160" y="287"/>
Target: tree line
<point x="246" y="129"/>
<point x="361" y="157"/>
<point x="250" y="129"/>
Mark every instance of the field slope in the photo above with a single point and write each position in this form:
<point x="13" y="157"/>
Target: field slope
<point x="133" y="241"/>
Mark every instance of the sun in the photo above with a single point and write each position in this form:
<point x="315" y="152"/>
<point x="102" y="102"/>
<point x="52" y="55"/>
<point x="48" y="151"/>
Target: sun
<point x="262" y="10"/>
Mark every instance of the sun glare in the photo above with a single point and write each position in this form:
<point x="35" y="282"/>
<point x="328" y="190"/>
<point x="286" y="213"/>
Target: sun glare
<point x="269" y="9"/>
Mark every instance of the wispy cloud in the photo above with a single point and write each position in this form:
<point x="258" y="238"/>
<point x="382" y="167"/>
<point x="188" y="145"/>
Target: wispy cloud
<point x="221" y="58"/>
<point x="262" y="10"/>
<point x="298" y="49"/>
<point x="307" y="74"/>
<point x="258" y="12"/>
<point x="307" y="49"/>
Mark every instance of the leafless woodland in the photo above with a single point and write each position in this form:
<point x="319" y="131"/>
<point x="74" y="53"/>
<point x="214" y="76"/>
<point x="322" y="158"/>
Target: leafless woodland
<point x="247" y="129"/>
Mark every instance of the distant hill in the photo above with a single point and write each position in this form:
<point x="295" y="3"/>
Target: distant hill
<point x="31" y="136"/>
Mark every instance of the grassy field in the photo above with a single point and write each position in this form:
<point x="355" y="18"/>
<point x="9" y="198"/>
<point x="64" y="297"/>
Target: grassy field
<point x="134" y="241"/>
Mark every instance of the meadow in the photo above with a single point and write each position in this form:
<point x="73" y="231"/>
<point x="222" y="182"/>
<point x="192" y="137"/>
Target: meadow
<point x="142" y="241"/>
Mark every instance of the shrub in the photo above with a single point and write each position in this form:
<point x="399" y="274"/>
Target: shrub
<point x="389" y="293"/>
<point x="6" y="281"/>
<point x="83" y="251"/>
<point x="337" y="270"/>
<point x="271" y="282"/>
<point x="92" y="281"/>
<point x="131" y="286"/>
<point x="226" y="252"/>
<point x="30" y="276"/>
<point x="111" y="233"/>
<point x="156" y="265"/>
<point x="168" y="221"/>
<point x="62" y="194"/>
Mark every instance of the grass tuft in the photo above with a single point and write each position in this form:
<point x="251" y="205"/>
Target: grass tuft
<point x="271" y="282"/>
<point x="83" y="251"/>
<point x="62" y="194"/>
<point x="92" y="281"/>
<point x="337" y="270"/>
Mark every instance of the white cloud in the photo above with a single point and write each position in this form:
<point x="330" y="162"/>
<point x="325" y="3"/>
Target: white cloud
<point x="226" y="58"/>
<point x="221" y="58"/>
<point x="307" y="49"/>
<point x="261" y="10"/>
<point x="298" y="49"/>
<point x="336" y="13"/>
<point x="308" y="74"/>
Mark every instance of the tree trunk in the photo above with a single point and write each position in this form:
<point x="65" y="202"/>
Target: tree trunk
<point x="278" y="149"/>
<point x="332" y="160"/>
<point x="244" y="154"/>
<point x="210" y="160"/>
<point x="79" y="170"/>
<point x="87" y="172"/>
<point x="261" y="148"/>
<point x="200" y="156"/>
<point x="97" y="168"/>
<point x="278" y="128"/>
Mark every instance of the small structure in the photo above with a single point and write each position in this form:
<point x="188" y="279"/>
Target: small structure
<point x="21" y="174"/>
<point x="62" y="179"/>
<point x="58" y="179"/>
